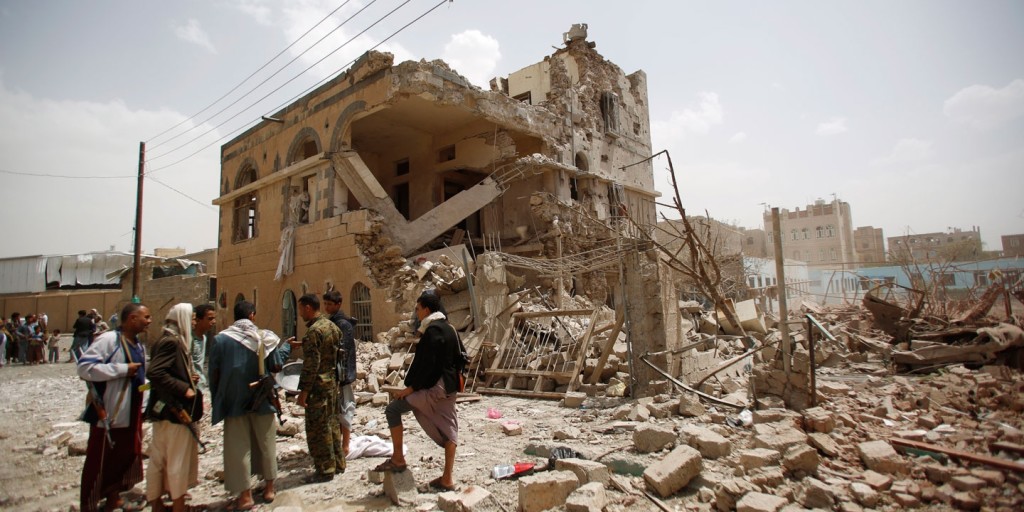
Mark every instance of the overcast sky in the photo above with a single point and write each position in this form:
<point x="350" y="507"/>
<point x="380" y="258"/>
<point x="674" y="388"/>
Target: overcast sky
<point x="911" y="111"/>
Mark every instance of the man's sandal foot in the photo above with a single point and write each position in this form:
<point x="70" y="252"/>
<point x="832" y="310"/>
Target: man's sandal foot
<point x="437" y="484"/>
<point x="389" y="466"/>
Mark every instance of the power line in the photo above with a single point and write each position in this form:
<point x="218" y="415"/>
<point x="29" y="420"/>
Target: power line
<point x="330" y="76"/>
<point x="64" y="176"/>
<point x="265" y="80"/>
<point x="158" y="182"/>
<point x="278" y="88"/>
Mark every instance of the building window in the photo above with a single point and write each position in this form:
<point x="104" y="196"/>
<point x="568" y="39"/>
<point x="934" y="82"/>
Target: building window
<point x="306" y="198"/>
<point x="981" y="278"/>
<point x="289" y="318"/>
<point x="832" y="253"/>
<point x="446" y="154"/>
<point x="526" y="97"/>
<point x="402" y="167"/>
<point x="610" y="111"/>
<point x="245" y="208"/>
<point x="1015" y="243"/>
<point x="830" y="231"/>
<point x="947" y="279"/>
<point x="820" y="231"/>
<point x="807" y="234"/>
<point x="821" y="254"/>
<point x="362" y="310"/>
<point x="750" y="240"/>
<point x="796" y="236"/>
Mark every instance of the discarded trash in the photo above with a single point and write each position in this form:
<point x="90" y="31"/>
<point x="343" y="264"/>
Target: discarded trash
<point x="493" y="413"/>
<point x="563" y="452"/>
<point x="745" y="419"/>
<point x="509" y="470"/>
<point x="372" y="424"/>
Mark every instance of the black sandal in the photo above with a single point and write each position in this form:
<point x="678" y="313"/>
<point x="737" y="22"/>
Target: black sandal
<point x="389" y="466"/>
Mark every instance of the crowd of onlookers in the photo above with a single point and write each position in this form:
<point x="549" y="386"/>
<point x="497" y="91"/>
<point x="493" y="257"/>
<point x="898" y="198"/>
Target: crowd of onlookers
<point x="27" y="339"/>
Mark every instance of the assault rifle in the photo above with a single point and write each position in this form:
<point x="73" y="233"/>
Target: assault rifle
<point x="264" y="389"/>
<point x="185" y="418"/>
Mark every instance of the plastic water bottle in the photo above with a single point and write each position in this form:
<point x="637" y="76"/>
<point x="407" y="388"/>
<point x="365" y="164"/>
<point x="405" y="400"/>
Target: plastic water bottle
<point x="502" y="470"/>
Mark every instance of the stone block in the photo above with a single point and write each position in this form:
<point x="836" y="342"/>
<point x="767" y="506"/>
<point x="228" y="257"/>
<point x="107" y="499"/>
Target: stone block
<point x="639" y="413"/>
<point x="759" y="458"/>
<point x="760" y="502"/>
<point x="380" y="399"/>
<point x="662" y="410"/>
<point x="777" y="436"/>
<point x="876" y="480"/>
<point x="573" y="400"/>
<point x="675" y="471"/>
<point x="817" y="419"/>
<point x="906" y="500"/>
<point x="801" y="458"/>
<point x="649" y="438"/>
<point x="777" y="415"/>
<point x="468" y="499"/>
<point x="967" y="483"/>
<point x="767" y="478"/>
<point x="880" y="456"/>
<point x="937" y="473"/>
<point x="512" y="428"/>
<point x="625" y="463"/>
<point x="728" y="492"/>
<point x="824" y="443"/>
<point x="690" y="407"/>
<point x="966" y="501"/>
<point x="546" y="490"/>
<point x="991" y="476"/>
<point x="814" y="493"/>
<point x="710" y="444"/>
<point x="400" y="488"/>
<point x="590" y="497"/>
<point x="864" y="494"/>
<point x="586" y="471"/>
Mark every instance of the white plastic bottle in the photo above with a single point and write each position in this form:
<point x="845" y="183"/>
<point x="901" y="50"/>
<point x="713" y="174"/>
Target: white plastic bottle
<point x="502" y="471"/>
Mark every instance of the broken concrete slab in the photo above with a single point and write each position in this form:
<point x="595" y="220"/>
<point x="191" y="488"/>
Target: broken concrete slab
<point x="586" y="471"/>
<point x="469" y="499"/>
<point x="400" y="488"/>
<point x="589" y="497"/>
<point x="760" y="502"/>
<point x="759" y="458"/>
<point x="649" y="438"/>
<point x="710" y="444"/>
<point x="673" y="472"/>
<point x="880" y="456"/>
<point x="546" y="490"/>
<point x="777" y="436"/>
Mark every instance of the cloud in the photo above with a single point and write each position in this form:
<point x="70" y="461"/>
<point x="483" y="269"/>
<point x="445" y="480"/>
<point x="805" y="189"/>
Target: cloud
<point x="985" y="107"/>
<point x="695" y="119"/>
<point x="257" y="10"/>
<point x="474" y="55"/>
<point x="193" y="33"/>
<point x="906" y="151"/>
<point x="98" y="140"/>
<point x="738" y="138"/>
<point x="833" y="126"/>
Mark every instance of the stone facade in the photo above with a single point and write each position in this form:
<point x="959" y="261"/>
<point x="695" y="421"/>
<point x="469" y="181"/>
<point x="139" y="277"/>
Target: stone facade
<point x="953" y="245"/>
<point x="821" y="235"/>
<point x="869" y="245"/>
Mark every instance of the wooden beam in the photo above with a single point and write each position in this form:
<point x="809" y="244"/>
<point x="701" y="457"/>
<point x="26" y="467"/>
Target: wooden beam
<point x="987" y="460"/>
<point x="609" y="345"/>
<point x="547" y="395"/>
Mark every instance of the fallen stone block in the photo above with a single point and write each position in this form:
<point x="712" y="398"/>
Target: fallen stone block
<point x="673" y="472"/>
<point x="760" y="502"/>
<point x="709" y="443"/>
<point x="775" y="415"/>
<point x="906" y="500"/>
<point x="573" y="400"/>
<point x="880" y="456"/>
<point x="569" y="432"/>
<point x="400" y="488"/>
<point x="639" y="413"/>
<point x="625" y="463"/>
<point x="468" y="499"/>
<point x="380" y="399"/>
<point x="728" y="492"/>
<point x="767" y="478"/>
<point x="876" y="480"/>
<point x="816" y="494"/>
<point x="512" y="428"/>
<point x="649" y="438"/>
<point x="759" y="458"/>
<point x="586" y="471"/>
<point x="590" y="497"/>
<point x="801" y="458"/>
<point x="966" y="501"/>
<point x="690" y="407"/>
<point x="662" y="410"/>
<point x="777" y="436"/>
<point x="817" y="419"/>
<point x="546" y="490"/>
<point x="864" y="494"/>
<point x="824" y="443"/>
<point x="990" y="475"/>
<point x="967" y="483"/>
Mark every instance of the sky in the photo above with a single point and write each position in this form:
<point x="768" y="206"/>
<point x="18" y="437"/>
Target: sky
<point x="910" y="111"/>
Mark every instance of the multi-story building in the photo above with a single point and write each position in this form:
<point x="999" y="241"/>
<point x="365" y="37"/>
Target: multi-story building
<point x="821" y="235"/>
<point x="383" y="162"/>
<point x="1013" y="245"/>
<point x="953" y="245"/>
<point x="869" y="246"/>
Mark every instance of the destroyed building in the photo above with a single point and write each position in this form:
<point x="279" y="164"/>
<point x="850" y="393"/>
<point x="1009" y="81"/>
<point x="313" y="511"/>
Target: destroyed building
<point x="345" y="186"/>
<point x="821" y="234"/>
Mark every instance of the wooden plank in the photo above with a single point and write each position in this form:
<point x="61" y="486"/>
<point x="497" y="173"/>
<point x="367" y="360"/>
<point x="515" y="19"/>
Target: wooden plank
<point x="1005" y="446"/>
<point x="606" y="350"/>
<point x="501" y="348"/>
<point x="987" y="460"/>
<point x="552" y="313"/>
<point x="547" y="395"/>
<point x="582" y="347"/>
<point x="515" y="372"/>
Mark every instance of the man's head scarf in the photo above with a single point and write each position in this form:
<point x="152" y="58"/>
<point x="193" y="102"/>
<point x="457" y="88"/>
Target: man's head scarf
<point x="179" y="324"/>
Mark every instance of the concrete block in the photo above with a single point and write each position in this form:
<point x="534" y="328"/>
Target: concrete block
<point x="864" y="494"/>
<point x="777" y="436"/>
<point x="590" y="497"/>
<point x="816" y="494"/>
<point x="468" y="499"/>
<point x="512" y="428"/>
<point x="760" y="502"/>
<point x="824" y="443"/>
<point x="573" y="400"/>
<point x="967" y="483"/>
<point x="546" y="490"/>
<point x="586" y="471"/>
<point x="876" y="480"/>
<point x="690" y="407"/>
<point x="880" y="456"/>
<point x="662" y="410"/>
<point x="675" y="471"/>
<point x="817" y="419"/>
<point x="649" y="438"/>
<point x="380" y="399"/>
<point x="710" y="444"/>
<point x="728" y="492"/>
<point x="801" y="458"/>
<point x="400" y="488"/>
<point x="759" y="458"/>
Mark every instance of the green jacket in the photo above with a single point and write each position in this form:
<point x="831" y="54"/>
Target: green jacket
<point x="319" y="350"/>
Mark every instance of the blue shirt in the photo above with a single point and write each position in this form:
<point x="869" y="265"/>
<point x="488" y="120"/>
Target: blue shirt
<point x="232" y="368"/>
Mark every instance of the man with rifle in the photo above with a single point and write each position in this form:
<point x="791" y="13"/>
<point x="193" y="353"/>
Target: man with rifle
<point x="244" y="354"/>
<point x="115" y="366"/>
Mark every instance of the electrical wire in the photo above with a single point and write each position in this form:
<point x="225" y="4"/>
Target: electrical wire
<point x="158" y="182"/>
<point x="64" y="176"/>
<point x="330" y="76"/>
<point x="267" y="79"/>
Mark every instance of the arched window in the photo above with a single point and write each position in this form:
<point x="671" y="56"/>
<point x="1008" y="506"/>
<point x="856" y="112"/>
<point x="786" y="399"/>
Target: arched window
<point x="239" y="298"/>
<point x="830" y="230"/>
<point x="362" y="310"/>
<point x="288" y="315"/>
<point x="820" y="231"/>
<point x="807" y="234"/>
<point x="244" y="226"/>
<point x="796" y="236"/>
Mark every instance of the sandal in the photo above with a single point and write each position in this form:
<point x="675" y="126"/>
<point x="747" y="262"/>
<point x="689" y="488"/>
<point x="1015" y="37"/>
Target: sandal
<point x="233" y="505"/>
<point x="390" y="467"/>
<point x="437" y="484"/>
<point x="268" y="496"/>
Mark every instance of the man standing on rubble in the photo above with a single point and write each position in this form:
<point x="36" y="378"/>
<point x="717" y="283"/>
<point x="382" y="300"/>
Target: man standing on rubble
<point x="347" y="400"/>
<point x="318" y="390"/>
<point x="249" y="430"/>
<point x="206" y="319"/>
<point x="83" y="328"/>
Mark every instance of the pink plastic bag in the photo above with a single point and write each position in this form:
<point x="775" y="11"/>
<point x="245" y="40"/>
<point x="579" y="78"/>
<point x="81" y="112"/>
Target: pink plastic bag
<point x="493" y="413"/>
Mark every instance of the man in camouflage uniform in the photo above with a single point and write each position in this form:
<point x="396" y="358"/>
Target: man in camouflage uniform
<point x="318" y="391"/>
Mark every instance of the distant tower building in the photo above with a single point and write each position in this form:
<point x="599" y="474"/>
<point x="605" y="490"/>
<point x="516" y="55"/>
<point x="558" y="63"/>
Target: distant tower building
<point x="954" y="245"/>
<point x="869" y="245"/>
<point x="1013" y="246"/>
<point x="821" y="235"/>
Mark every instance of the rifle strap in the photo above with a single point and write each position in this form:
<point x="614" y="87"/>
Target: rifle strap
<point x="261" y="354"/>
<point x="127" y="382"/>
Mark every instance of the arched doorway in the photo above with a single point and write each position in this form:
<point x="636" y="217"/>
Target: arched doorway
<point x="362" y="310"/>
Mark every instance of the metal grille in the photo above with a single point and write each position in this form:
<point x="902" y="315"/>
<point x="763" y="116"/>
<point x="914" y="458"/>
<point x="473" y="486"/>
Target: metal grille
<point x="288" y="315"/>
<point x="362" y="310"/>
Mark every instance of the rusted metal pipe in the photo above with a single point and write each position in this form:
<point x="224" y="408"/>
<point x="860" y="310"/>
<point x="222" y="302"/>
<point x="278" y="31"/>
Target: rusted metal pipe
<point x="705" y="396"/>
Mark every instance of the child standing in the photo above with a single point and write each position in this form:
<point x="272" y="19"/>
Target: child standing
<point x="53" y="344"/>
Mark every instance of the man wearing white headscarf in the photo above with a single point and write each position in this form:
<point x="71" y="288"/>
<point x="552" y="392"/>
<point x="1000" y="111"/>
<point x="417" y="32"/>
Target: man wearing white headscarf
<point x="174" y="401"/>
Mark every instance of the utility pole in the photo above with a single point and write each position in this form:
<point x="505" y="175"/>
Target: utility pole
<point x="138" y="225"/>
<point x="780" y="285"/>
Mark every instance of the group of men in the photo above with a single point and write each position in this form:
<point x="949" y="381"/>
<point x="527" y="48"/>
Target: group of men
<point x="242" y="357"/>
<point x="24" y="339"/>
